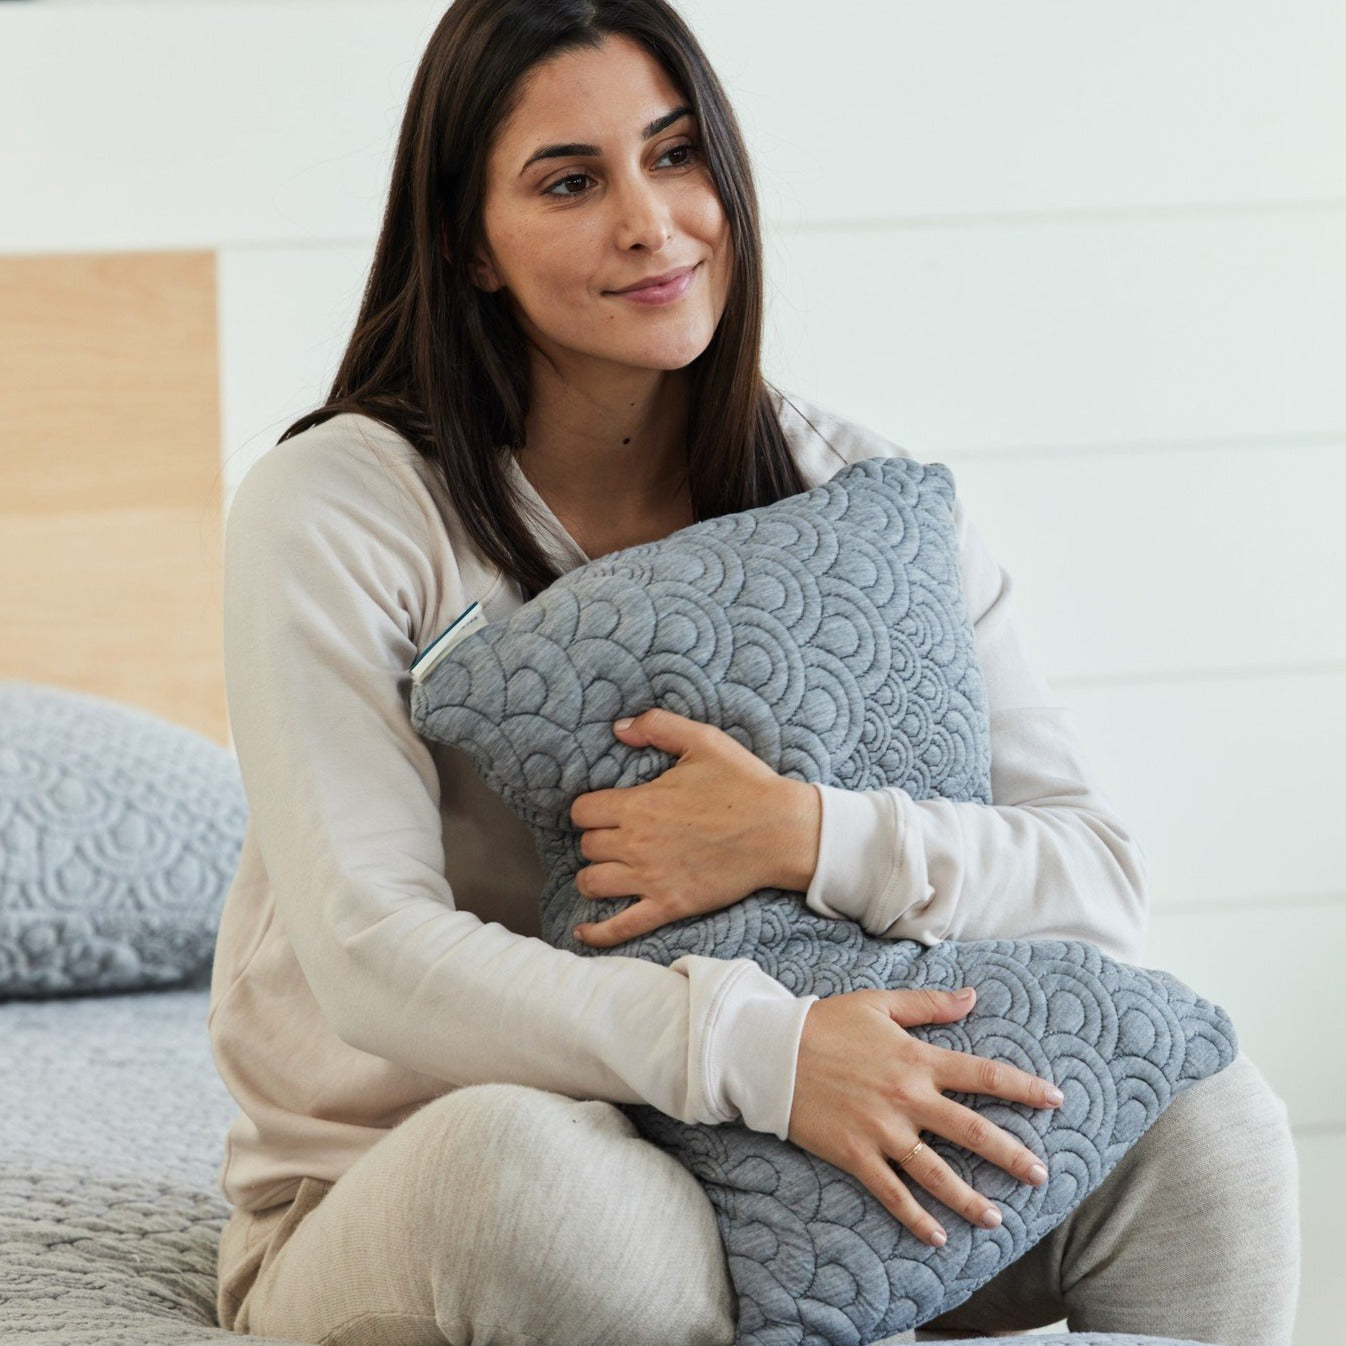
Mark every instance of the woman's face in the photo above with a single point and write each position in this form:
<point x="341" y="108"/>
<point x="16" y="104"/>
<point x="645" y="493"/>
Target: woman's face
<point x="596" y="185"/>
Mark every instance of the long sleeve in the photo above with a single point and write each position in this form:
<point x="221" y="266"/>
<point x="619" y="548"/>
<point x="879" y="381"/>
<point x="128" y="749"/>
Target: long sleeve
<point x="1047" y="857"/>
<point x="335" y="572"/>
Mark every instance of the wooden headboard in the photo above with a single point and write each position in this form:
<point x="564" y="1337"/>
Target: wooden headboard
<point x="110" y="482"/>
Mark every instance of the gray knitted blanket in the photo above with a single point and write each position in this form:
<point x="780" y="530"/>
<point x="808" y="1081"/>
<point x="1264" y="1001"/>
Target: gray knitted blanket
<point x="112" y="1123"/>
<point x="828" y="634"/>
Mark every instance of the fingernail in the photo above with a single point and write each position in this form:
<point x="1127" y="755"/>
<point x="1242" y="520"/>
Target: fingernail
<point x="1037" y="1175"/>
<point x="1055" y="1096"/>
<point x="622" y="724"/>
<point x="578" y="933"/>
<point x="964" y="994"/>
<point x="992" y="1218"/>
<point x="938" y="1237"/>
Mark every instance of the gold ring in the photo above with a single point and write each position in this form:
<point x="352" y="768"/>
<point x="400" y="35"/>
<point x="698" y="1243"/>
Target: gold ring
<point x="911" y="1154"/>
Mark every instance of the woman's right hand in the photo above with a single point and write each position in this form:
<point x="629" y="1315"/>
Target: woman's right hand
<point x="865" y="1089"/>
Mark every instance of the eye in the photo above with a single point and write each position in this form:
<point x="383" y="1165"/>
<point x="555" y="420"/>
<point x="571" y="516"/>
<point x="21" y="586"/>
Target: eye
<point x="576" y="181"/>
<point x="681" y="155"/>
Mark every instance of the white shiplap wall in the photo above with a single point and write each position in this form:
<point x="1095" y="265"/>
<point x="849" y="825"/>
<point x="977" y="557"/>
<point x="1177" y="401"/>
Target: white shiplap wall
<point x="1090" y="255"/>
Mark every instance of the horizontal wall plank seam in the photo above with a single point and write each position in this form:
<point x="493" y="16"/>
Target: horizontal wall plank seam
<point x="1309" y="439"/>
<point x="1277" y="902"/>
<point x="880" y="224"/>
<point x="1318" y="1130"/>
<point x="1089" y="682"/>
<point x="1175" y="210"/>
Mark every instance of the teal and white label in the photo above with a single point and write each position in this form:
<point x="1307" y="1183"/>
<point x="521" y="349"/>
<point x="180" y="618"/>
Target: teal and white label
<point x="470" y="619"/>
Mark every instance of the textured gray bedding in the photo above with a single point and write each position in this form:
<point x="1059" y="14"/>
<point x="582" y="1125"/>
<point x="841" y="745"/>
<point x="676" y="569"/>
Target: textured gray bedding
<point x="112" y="1123"/>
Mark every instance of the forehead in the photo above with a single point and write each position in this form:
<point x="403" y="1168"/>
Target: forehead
<point x="616" y="88"/>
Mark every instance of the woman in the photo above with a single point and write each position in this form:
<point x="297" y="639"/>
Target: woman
<point x="558" y="356"/>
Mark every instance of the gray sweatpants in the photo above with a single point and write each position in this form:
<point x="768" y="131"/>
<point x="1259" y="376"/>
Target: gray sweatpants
<point x="506" y="1215"/>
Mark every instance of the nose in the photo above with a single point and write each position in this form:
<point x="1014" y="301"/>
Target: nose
<point x="643" y="218"/>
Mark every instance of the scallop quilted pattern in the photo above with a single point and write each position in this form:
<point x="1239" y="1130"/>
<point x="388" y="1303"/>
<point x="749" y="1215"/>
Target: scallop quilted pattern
<point x="119" y="835"/>
<point x="827" y="633"/>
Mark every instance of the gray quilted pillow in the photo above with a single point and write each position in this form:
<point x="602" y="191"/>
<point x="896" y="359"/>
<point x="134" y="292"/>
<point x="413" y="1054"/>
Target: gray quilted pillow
<point x="119" y="835"/>
<point x="827" y="633"/>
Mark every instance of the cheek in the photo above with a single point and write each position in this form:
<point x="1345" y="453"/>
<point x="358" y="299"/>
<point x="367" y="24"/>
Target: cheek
<point x="708" y="220"/>
<point x="542" y="263"/>
<point x="724" y="269"/>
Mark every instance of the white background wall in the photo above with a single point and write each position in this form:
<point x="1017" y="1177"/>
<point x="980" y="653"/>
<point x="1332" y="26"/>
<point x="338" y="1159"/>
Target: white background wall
<point x="1090" y="255"/>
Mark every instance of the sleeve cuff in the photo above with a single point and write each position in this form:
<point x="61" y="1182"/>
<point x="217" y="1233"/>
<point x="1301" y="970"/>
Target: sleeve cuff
<point x="871" y="863"/>
<point x="753" y="1048"/>
<point x="857" y="853"/>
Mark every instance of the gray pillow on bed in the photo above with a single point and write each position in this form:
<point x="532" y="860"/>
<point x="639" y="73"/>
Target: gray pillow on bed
<point x="119" y="835"/>
<point x="827" y="633"/>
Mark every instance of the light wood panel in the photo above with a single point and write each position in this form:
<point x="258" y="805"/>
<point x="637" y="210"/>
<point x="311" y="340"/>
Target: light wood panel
<point x="110" y="536"/>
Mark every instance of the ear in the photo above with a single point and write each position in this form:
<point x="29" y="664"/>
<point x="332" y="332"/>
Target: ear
<point x="484" y="275"/>
<point x="482" y="269"/>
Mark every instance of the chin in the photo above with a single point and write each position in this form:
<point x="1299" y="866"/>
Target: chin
<point x="676" y="352"/>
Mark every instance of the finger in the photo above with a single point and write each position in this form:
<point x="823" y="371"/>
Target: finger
<point x="888" y="1188"/>
<point x="600" y="808"/>
<point x="662" y="729"/>
<point x="600" y="843"/>
<point x="927" y="1168"/>
<point x="929" y="1006"/>
<point x="976" y="1133"/>
<point x="607" y="880"/>
<point x="970" y="1074"/>
<point x="638" y="919"/>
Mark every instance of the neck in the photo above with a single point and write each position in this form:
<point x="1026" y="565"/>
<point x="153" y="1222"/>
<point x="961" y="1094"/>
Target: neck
<point x="614" y="448"/>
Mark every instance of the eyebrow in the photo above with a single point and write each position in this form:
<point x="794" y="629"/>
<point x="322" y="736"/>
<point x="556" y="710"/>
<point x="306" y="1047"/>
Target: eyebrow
<point x="592" y="151"/>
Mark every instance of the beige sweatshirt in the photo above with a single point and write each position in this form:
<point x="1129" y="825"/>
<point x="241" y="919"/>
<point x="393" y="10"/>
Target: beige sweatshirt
<point x="378" y="946"/>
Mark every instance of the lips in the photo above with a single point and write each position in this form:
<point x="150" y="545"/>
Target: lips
<point x="654" y="282"/>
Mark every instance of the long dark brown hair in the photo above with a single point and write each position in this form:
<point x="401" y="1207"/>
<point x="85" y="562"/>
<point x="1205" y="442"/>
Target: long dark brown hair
<point x="442" y="361"/>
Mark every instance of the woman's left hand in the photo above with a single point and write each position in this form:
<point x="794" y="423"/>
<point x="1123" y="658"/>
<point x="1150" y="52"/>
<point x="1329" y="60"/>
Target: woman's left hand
<point x="717" y="825"/>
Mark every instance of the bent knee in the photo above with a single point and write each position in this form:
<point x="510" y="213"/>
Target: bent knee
<point x="1238" y="1099"/>
<point x="568" y="1225"/>
<point x="1232" y="1131"/>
